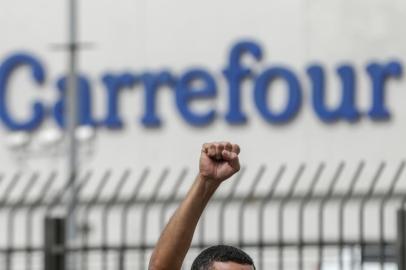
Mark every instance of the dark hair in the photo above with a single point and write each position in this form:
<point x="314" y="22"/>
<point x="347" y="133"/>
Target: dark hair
<point x="220" y="253"/>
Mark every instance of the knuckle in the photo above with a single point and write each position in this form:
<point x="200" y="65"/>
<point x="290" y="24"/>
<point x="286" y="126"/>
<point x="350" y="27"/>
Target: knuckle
<point x="212" y="149"/>
<point x="228" y="146"/>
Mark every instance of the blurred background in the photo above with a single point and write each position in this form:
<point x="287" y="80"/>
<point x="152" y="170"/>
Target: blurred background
<point x="312" y="90"/>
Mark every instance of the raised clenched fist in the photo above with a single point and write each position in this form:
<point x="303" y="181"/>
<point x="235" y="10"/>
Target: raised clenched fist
<point x="219" y="161"/>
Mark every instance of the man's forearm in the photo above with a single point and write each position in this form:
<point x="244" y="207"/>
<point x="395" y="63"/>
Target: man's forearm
<point x="218" y="162"/>
<point x="177" y="236"/>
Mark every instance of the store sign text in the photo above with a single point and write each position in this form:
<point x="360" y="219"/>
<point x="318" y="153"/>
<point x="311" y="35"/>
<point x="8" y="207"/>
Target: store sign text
<point x="185" y="90"/>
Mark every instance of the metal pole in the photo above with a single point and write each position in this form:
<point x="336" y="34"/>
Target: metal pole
<point x="54" y="239"/>
<point x="71" y="124"/>
<point x="401" y="239"/>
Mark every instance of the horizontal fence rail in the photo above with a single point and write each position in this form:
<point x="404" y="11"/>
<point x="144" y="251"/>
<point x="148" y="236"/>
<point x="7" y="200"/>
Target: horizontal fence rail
<point x="281" y="217"/>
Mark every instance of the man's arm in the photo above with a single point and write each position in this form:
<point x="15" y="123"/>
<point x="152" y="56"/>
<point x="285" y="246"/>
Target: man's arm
<point x="218" y="162"/>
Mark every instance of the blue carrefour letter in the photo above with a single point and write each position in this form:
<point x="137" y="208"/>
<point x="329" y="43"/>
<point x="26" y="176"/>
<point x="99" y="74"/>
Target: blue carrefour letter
<point x="235" y="74"/>
<point x="114" y="84"/>
<point x="347" y="107"/>
<point x="84" y="114"/>
<point x="185" y="92"/>
<point x="152" y="82"/>
<point x="294" y="96"/>
<point x="38" y="74"/>
<point x="379" y="75"/>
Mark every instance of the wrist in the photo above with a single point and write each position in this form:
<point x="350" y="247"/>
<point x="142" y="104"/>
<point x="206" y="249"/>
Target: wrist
<point x="209" y="183"/>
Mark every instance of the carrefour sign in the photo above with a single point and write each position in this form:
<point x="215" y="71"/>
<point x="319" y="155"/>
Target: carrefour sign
<point x="185" y="90"/>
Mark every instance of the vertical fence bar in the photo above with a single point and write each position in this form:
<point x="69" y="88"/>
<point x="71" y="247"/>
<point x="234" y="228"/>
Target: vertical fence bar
<point x="401" y="239"/>
<point x="104" y="219"/>
<point x="281" y="246"/>
<point x="323" y="203"/>
<point x="1" y="180"/>
<point x="54" y="232"/>
<point x="144" y="217"/>
<point x="244" y="203"/>
<point x="78" y="189"/>
<point x="13" y="210"/>
<point x="341" y="215"/>
<point x="49" y="262"/>
<point x="401" y="235"/>
<point x="302" y="208"/>
<point x="57" y="198"/>
<point x="224" y="204"/>
<point x="267" y="198"/>
<point x="172" y="196"/>
<point x="56" y="201"/>
<point x="388" y="194"/>
<point x="85" y="217"/>
<point x="28" y="225"/>
<point x="13" y="183"/>
<point x="362" y="210"/>
<point x="124" y="216"/>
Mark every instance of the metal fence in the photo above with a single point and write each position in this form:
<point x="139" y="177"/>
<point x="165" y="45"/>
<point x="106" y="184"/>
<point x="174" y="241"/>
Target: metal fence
<point x="281" y="222"/>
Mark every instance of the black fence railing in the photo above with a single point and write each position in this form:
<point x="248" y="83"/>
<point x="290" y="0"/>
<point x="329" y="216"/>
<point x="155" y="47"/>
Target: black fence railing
<point x="281" y="222"/>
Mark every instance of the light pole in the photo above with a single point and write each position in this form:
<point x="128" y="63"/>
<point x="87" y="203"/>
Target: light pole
<point x="65" y="144"/>
<point x="71" y="124"/>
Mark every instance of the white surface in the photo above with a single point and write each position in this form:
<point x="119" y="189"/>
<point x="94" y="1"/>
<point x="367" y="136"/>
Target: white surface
<point x="151" y="35"/>
<point x="145" y="35"/>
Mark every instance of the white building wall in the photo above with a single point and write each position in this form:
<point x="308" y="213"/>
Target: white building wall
<point x="152" y="35"/>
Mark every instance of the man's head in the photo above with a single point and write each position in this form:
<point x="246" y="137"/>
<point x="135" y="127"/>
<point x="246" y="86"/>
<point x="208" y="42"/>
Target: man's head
<point x="223" y="257"/>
